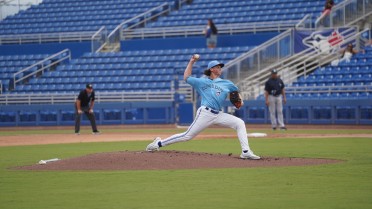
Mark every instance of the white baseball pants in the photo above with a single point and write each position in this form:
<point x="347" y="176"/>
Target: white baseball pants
<point x="206" y="117"/>
<point x="276" y="107"/>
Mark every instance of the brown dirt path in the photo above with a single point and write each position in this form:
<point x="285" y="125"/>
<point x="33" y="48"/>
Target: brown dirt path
<point x="167" y="160"/>
<point x="69" y="137"/>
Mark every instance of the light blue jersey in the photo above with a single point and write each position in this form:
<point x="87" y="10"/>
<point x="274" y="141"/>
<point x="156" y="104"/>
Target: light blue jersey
<point x="212" y="92"/>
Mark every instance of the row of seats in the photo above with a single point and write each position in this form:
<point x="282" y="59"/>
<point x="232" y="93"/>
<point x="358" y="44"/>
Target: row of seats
<point x="106" y="73"/>
<point x="38" y="30"/>
<point x="336" y="78"/>
<point x="141" y="53"/>
<point x="50" y="17"/>
<point x="335" y="95"/>
<point x="226" y="12"/>
<point x="278" y="14"/>
<point x="255" y="4"/>
<point x="245" y="10"/>
<point x="92" y="2"/>
<point x="222" y="20"/>
<point x="106" y="79"/>
<point x="99" y="5"/>
<point x="86" y="21"/>
<point x="22" y="57"/>
<point x="99" y="87"/>
<point x="153" y="59"/>
<point x="44" y="18"/>
<point x="343" y="70"/>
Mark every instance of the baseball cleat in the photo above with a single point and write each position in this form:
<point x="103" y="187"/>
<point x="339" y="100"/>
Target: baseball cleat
<point x="249" y="155"/>
<point x="283" y="128"/>
<point x="153" y="146"/>
<point x="96" y="132"/>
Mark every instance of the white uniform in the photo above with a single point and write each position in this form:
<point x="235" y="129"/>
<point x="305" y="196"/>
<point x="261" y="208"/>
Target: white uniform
<point x="213" y="93"/>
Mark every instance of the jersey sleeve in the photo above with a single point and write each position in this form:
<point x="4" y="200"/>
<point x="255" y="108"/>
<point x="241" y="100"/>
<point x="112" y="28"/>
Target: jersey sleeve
<point x="193" y="81"/>
<point x="233" y="87"/>
<point x="93" y="96"/>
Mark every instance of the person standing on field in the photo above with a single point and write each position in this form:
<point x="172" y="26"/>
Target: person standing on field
<point x="274" y="99"/>
<point x="84" y="104"/>
<point x="213" y="91"/>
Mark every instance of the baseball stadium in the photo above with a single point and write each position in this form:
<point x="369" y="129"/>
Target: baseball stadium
<point x="180" y="104"/>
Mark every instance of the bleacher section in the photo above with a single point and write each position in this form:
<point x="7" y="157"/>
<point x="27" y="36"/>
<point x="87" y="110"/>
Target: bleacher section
<point x="11" y="64"/>
<point x="345" y="81"/>
<point x="73" y="16"/>
<point x="47" y="98"/>
<point x="237" y="11"/>
<point x="144" y="70"/>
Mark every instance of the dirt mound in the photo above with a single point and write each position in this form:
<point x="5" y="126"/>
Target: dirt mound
<point x="166" y="160"/>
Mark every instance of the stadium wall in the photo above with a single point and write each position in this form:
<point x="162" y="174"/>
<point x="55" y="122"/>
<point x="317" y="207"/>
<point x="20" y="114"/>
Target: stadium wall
<point x="77" y="48"/>
<point x="295" y="112"/>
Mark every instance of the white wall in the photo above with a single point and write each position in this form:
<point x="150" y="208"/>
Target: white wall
<point x="11" y="7"/>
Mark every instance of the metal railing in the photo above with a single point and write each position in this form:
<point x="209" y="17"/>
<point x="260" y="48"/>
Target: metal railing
<point x="328" y="89"/>
<point x="115" y="36"/>
<point x="260" y="57"/>
<point x="99" y="39"/>
<point x="268" y="53"/>
<point x="58" y="98"/>
<point x="40" y="67"/>
<point x="46" y="37"/>
<point x="346" y="13"/>
<point x="186" y="31"/>
<point x="306" y="22"/>
<point x="298" y="65"/>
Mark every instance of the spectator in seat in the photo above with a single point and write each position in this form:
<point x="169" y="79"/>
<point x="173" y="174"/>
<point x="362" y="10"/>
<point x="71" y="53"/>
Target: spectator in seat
<point x="346" y="56"/>
<point x="210" y="33"/>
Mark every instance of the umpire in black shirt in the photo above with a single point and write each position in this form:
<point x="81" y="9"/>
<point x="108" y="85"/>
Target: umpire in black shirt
<point x="85" y="103"/>
<point x="274" y="99"/>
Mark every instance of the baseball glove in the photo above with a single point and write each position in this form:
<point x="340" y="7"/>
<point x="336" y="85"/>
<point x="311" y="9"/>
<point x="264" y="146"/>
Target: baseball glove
<point x="235" y="99"/>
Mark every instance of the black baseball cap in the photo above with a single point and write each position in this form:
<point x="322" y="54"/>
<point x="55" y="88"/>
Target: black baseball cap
<point x="89" y="86"/>
<point x="274" y="72"/>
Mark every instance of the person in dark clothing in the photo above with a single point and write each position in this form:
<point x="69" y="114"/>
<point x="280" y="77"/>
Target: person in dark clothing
<point x="210" y="33"/>
<point x="274" y="91"/>
<point x="84" y="104"/>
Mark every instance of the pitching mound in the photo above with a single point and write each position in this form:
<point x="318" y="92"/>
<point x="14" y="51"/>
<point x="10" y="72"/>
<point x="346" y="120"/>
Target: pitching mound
<point x="165" y="160"/>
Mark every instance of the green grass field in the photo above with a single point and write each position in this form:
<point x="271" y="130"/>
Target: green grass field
<point x="343" y="185"/>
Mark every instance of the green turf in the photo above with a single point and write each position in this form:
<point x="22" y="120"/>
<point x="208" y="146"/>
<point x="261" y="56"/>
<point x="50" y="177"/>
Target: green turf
<point x="343" y="185"/>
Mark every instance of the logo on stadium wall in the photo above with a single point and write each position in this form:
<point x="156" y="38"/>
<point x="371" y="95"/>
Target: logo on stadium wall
<point x="322" y="43"/>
